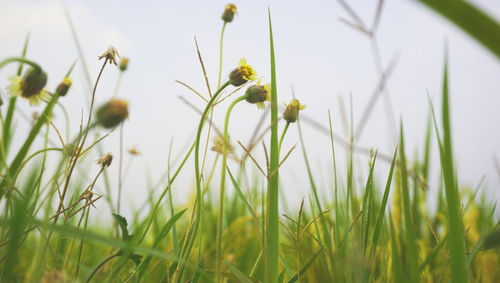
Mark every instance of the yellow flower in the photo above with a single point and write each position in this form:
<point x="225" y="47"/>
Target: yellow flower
<point x="258" y="94"/>
<point x="63" y="88"/>
<point x="229" y="12"/>
<point x="292" y="111"/>
<point x="242" y="74"/>
<point x="30" y="86"/>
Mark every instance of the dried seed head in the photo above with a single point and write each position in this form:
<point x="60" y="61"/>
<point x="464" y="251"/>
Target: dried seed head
<point x="242" y="74"/>
<point x="218" y="145"/>
<point x="292" y="111"/>
<point x="63" y="88"/>
<point x="105" y="160"/>
<point x="111" y="54"/>
<point x="229" y="12"/>
<point x="112" y="113"/>
<point x="123" y="64"/>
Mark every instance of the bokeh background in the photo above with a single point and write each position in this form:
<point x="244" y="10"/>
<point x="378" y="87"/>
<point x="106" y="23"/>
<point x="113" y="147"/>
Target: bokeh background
<point x="325" y="61"/>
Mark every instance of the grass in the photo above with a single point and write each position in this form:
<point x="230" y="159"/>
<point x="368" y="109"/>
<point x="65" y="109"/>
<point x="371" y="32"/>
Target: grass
<point x="368" y="231"/>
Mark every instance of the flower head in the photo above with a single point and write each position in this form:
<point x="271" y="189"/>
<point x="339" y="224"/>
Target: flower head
<point x="112" y="113"/>
<point x="229" y="12"/>
<point x="242" y="74"/>
<point x="63" y="88"/>
<point x="30" y="86"/>
<point x="258" y="94"/>
<point x="218" y="145"/>
<point x="111" y="54"/>
<point x="105" y="160"/>
<point x="123" y="64"/>
<point x="292" y="111"/>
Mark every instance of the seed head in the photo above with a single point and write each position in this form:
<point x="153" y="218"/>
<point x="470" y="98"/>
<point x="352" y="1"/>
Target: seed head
<point x="242" y="74"/>
<point x="105" y="160"/>
<point x="112" y="113"/>
<point x="111" y="54"/>
<point x="229" y="12"/>
<point x="292" y="111"/>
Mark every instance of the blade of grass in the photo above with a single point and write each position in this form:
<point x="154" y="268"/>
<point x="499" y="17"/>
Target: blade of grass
<point x="272" y="240"/>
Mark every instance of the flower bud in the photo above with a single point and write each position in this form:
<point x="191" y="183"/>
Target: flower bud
<point x="63" y="87"/>
<point x="242" y="74"/>
<point x="33" y="82"/>
<point x="229" y="12"/>
<point x="292" y="111"/>
<point x="257" y="93"/>
<point x="123" y="64"/>
<point x="112" y="113"/>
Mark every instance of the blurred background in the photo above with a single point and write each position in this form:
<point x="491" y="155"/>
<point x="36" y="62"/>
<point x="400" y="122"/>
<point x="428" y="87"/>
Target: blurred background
<point x="330" y="65"/>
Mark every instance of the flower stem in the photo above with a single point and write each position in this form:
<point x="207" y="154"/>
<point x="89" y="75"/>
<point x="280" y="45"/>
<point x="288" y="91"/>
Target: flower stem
<point x="193" y="229"/>
<point x="220" y="218"/>
<point x="220" y="53"/>
<point x="283" y="136"/>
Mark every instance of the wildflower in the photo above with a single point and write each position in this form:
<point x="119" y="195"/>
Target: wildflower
<point x="258" y="94"/>
<point x="63" y="88"/>
<point x="292" y="111"/>
<point x="112" y="113"/>
<point x="123" y="64"/>
<point x="229" y="12"/>
<point x="30" y="86"/>
<point x="105" y="160"/>
<point x="133" y="151"/>
<point x="111" y="54"/>
<point x="242" y="74"/>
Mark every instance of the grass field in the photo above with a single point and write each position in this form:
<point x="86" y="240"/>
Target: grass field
<point x="369" y="231"/>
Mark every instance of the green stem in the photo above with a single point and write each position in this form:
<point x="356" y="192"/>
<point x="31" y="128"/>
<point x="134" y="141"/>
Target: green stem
<point x="220" y="53"/>
<point x="101" y="264"/>
<point x="193" y="229"/>
<point x="283" y="136"/>
<point x="117" y="86"/>
<point x="220" y="218"/>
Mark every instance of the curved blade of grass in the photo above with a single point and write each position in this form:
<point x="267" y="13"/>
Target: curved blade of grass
<point x="365" y="215"/>
<point x="480" y="241"/>
<point x="305" y="267"/>
<point x="479" y="25"/>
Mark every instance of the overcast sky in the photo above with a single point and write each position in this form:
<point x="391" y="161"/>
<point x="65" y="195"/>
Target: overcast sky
<point x="320" y="56"/>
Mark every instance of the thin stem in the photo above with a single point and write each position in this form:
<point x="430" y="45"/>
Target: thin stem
<point x="283" y="136"/>
<point x="120" y="165"/>
<point x="190" y="237"/>
<point x="117" y="86"/>
<point x="220" y="218"/>
<point x="220" y="53"/>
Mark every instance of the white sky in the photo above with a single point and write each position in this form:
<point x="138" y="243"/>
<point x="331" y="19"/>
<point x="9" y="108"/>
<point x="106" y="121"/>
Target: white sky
<point x="322" y="57"/>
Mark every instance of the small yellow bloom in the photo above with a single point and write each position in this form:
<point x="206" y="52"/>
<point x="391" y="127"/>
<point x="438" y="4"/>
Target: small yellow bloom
<point x="242" y="74"/>
<point x="258" y="94"/>
<point x="229" y="12"/>
<point x="292" y="111"/>
<point x="63" y="88"/>
<point x="123" y="64"/>
<point x="30" y="86"/>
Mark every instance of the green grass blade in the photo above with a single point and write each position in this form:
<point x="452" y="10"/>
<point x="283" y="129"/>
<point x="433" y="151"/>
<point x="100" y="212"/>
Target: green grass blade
<point x="480" y="241"/>
<point x="463" y="14"/>
<point x="397" y="268"/>
<point x="456" y="231"/>
<point x="242" y="277"/>
<point x="305" y="267"/>
<point x="411" y="248"/>
<point x="381" y="212"/>
<point x="365" y="215"/>
<point x="272" y="246"/>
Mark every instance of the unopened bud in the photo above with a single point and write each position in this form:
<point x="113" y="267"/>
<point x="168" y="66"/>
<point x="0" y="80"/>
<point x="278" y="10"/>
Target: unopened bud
<point x="292" y="111"/>
<point x="63" y="88"/>
<point x="33" y="82"/>
<point x="123" y="64"/>
<point x="112" y="113"/>
<point x="229" y="12"/>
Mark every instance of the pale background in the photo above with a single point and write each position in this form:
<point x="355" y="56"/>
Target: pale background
<point x="316" y="53"/>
